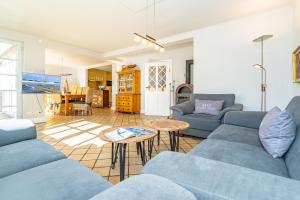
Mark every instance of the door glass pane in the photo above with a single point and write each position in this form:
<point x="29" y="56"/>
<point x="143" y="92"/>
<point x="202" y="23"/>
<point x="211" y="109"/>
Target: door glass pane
<point x="8" y="66"/>
<point x="7" y="82"/>
<point x="162" y="77"/>
<point x="8" y="98"/>
<point x="8" y="112"/>
<point x="152" y="78"/>
<point x="8" y="51"/>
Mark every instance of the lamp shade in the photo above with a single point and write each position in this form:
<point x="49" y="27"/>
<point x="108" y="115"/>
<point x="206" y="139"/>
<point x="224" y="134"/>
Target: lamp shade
<point x="257" y="66"/>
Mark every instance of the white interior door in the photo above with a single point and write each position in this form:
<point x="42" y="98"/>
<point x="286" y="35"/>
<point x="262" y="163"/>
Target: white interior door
<point x="158" y="76"/>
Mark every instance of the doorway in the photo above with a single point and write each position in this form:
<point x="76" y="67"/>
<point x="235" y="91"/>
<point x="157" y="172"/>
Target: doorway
<point x="158" y="77"/>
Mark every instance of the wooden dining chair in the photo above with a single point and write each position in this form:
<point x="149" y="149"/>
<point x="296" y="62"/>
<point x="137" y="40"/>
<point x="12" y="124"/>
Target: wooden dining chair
<point x="85" y="90"/>
<point x="53" y="103"/>
<point x="73" y="89"/>
<point x="79" y="90"/>
<point x="86" y="105"/>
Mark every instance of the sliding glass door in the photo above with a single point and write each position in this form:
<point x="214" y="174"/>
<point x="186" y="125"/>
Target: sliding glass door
<point x="10" y="71"/>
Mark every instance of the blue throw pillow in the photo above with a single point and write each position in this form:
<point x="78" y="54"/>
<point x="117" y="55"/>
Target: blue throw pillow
<point x="277" y="132"/>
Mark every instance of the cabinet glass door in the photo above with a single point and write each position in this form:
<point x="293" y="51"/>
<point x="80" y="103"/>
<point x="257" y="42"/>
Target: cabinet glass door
<point x="129" y="82"/>
<point x="121" y="83"/>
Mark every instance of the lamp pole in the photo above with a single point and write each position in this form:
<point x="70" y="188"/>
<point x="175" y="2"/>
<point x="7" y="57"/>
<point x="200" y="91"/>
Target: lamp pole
<point x="263" y="104"/>
<point x="263" y="89"/>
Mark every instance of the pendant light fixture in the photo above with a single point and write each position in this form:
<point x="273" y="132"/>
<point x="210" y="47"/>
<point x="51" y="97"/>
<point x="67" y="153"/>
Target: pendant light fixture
<point x="148" y="40"/>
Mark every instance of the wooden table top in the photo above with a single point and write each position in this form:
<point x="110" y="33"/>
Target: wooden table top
<point x="142" y="138"/>
<point x="73" y="95"/>
<point x="167" y="125"/>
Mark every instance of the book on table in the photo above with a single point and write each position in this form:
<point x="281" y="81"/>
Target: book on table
<point x="125" y="133"/>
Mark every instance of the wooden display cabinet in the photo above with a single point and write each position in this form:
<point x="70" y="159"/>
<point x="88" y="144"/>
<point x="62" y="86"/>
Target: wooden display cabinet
<point x="129" y="97"/>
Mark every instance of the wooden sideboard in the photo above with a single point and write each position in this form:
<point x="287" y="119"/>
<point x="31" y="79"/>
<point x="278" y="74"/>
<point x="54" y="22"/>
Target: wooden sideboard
<point x="128" y="97"/>
<point x="100" y="98"/>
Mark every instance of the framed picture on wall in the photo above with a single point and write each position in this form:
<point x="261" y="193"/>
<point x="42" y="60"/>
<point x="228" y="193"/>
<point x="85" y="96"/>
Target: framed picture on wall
<point x="296" y="65"/>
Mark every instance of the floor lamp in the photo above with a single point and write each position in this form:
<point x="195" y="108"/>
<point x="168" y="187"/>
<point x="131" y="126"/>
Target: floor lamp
<point x="261" y="40"/>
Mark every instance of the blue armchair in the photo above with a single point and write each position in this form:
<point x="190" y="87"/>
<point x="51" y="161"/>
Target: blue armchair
<point x="201" y="125"/>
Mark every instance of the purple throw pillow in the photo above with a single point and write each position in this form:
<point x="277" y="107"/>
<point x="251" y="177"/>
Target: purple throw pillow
<point x="208" y="107"/>
<point x="277" y="132"/>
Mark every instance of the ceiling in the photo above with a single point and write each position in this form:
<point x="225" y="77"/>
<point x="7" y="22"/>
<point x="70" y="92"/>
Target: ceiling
<point x="66" y="58"/>
<point x="105" y="68"/>
<point x="106" y="25"/>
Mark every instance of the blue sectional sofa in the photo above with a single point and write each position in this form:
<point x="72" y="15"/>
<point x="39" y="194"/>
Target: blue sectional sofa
<point x="232" y="164"/>
<point x="30" y="169"/>
<point x="201" y="125"/>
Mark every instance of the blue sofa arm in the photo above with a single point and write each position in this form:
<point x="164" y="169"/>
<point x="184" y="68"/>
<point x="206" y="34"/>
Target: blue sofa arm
<point x="16" y="130"/>
<point x="145" y="187"/>
<point x="234" y="107"/>
<point x="215" y="180"/>
<point x="183" y="108"/>
<point x="249" y="119"/>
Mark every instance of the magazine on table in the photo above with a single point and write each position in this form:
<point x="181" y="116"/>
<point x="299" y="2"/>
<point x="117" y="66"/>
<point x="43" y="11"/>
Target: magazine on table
<point x="124" y="133"/>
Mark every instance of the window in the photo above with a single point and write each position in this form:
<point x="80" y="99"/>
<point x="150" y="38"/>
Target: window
<point x="9" y="66"/>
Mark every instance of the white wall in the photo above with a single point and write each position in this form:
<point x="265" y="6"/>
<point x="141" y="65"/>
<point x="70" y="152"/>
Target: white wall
<point x="296" y="36"/>
<point x="114" y="69"/>
<point x="297" y="22"/>
<point x="79" y="76"/>
<point x="178" y="57"/>
<point x="224" y="54"/>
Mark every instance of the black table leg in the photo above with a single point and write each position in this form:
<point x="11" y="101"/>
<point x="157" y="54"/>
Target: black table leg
<point x="177" y="142"/>
<point x="112" y="152"/>
<point x="142" y="152"/>
<point x="122" y="160"/>
<point x="158" y="137"/>
<point x="150" y="147"/>
<point x="137" y="148"/>
<point x="114" y="155"/>
<point x="174" y="140"/>
<point x="171" y="140"/>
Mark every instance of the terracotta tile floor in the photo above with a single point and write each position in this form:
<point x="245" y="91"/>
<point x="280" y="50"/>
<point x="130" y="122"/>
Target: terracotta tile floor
<point x="77" y="138"/>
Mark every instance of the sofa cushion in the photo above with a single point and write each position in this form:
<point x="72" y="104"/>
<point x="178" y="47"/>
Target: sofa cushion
<point x="25" y="155"/>
<point x="292" y="157"/>
<point x="201" y="121"/>
<point x="146" y="187"/>
<point x="277" y="132"/>
<point x="228" y="98"/>
<point x="238" y="134"/>
<point x="16" y="130"/>
<point x="59" y="180"/>
<point x="214" y="180"/>
<point x="244" y="155"/>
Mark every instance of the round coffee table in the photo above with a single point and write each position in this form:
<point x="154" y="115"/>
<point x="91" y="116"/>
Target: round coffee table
<point x="172" y="127"/>
<point x="121" y="146"/>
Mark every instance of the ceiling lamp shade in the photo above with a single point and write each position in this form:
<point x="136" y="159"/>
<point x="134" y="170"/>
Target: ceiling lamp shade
<point x="149" y="41"/>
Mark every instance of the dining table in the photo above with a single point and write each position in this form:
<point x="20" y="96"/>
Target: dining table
<point x="67" y="98"/>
